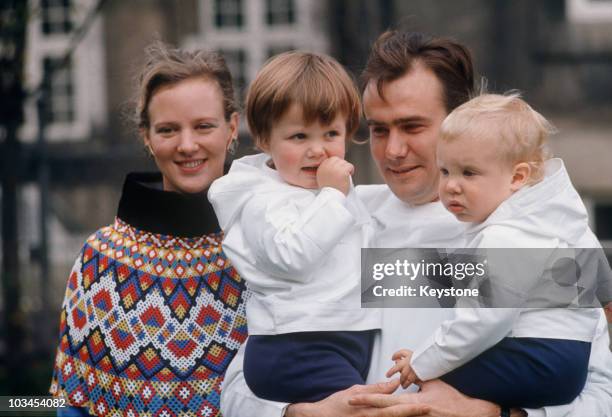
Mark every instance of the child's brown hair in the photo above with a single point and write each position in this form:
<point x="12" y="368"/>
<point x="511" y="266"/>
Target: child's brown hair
<point x="316" y="82"/>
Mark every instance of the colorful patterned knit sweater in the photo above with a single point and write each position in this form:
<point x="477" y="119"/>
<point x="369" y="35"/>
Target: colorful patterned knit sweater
<point x="153" y="311"/>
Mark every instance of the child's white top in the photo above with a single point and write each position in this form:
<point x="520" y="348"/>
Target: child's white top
<point x="299" y="250"/>
<point x="549" y="214"/>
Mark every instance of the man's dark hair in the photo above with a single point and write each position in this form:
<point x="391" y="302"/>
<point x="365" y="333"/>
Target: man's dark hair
<point x="395" y="53"/>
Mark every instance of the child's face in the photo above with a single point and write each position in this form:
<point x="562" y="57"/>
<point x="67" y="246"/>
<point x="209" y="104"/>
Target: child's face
<point x="474" y="180"/>
<point x="298" y="149"/>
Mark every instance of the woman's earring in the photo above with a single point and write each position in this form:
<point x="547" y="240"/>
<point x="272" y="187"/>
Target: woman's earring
<point x="233" y="146"/>
<point x="149" y="150"/>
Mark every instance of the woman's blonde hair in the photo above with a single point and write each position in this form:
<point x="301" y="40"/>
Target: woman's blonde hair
<point x="520" y="132"/>
<point x="166" y="66"/>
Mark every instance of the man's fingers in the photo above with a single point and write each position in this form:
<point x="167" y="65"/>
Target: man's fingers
<point x="405" y="410"/>
<point x="391" y="405"/>
<point x="380" y="388"/>
<point x="373" y="400"/>
<point x="402" y="410"/>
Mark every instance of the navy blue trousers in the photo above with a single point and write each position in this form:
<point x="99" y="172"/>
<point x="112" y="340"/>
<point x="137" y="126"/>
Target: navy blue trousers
<point x="307" y="366"/>
<point x="71" y="411"/>
<point x="525" y="372"/>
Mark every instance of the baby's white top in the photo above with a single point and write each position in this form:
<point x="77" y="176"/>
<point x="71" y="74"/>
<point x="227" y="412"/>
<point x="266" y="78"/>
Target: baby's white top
<point x="549" y="215"/>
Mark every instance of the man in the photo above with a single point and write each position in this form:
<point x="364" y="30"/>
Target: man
<point x="411" y="82"/>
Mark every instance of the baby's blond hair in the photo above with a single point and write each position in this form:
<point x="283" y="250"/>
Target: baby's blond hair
<point x="520" y="131"/>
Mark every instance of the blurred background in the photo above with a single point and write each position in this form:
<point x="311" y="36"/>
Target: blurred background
<point x="67" y="77"/>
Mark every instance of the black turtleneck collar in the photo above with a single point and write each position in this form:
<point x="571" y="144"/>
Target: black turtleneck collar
<point x="145" y="206"/>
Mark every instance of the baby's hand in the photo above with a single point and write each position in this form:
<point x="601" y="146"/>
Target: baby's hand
<point x="402" y="365"/>
<point x="336" y="173"/>
<point x="608" y="311"/>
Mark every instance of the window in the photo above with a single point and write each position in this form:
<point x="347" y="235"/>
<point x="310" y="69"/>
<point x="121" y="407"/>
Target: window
<point x="55" y="16"/>
<point x="589" y="11"/>
<point x="61" y="91"/>
<point x="236" y="62"/>
<point x="275" y="50"/>
<point x="228" y="13"/>
<point x="280" y="12"/>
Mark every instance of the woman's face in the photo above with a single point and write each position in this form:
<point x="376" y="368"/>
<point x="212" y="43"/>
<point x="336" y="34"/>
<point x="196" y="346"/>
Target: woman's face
<point x="188" y="134"/>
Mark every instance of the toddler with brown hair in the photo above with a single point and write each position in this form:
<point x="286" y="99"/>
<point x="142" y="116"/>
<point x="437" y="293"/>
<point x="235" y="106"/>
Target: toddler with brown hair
<point x="294" y="229"/>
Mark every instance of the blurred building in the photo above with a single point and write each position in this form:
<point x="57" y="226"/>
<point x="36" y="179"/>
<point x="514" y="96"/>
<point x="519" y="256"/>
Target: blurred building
<point x="250" y="32"/>
<point x="78" y="89"/>
<point x="558" y="52"/>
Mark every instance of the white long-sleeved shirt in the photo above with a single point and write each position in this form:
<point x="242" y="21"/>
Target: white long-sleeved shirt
<point x="429" y="225"/>
<point x="297" y="249"/>
<point x="547" y="215"/>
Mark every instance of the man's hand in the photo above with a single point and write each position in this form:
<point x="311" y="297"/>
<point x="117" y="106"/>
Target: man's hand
<point x="336" y="173"/>
<point x="444" y="401"/>
<point x="337" y="405"/>
<point x="402" y="365"/>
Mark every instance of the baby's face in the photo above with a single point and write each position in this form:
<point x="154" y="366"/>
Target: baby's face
<point x="297" y="149"/>
<point x="474" y="179"/>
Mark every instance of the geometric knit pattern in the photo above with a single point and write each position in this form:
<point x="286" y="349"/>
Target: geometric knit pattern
<point x="149" y="324"/>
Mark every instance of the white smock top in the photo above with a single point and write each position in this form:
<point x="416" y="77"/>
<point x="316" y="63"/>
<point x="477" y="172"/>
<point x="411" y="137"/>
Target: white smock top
<point x="298" y="250"/>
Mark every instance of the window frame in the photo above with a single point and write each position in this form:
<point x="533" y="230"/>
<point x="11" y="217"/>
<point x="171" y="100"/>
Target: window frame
<point x="61" y="91"/>
<point x="221" y="13"/>
<point x="289" y="12"/>
<point x="56" y="17"/>
<point x="589" y="11"/>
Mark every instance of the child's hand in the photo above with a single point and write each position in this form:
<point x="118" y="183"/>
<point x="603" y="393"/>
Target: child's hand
<point x="608" y="311"/>
<point x="402" y="365"/>
<point x="336" y="173"/>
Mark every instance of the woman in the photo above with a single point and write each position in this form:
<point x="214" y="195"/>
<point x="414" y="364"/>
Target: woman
<point x="153" y="311"/>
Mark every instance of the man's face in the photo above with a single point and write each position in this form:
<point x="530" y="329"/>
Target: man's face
<point x="404" y="129"/>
